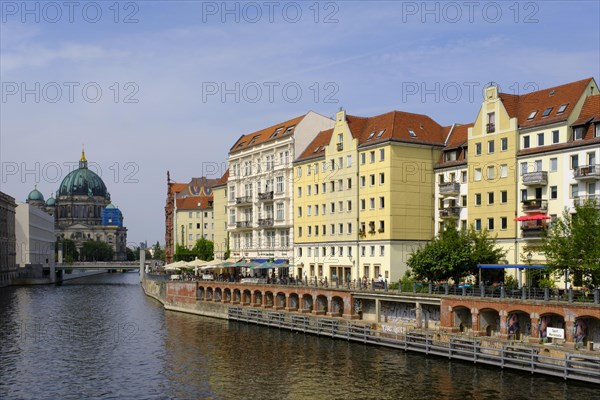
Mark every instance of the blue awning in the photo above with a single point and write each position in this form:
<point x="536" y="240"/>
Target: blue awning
<point x="281" y="261"/>
<point x="505" y="266"/>
<point x="260" y="260"/>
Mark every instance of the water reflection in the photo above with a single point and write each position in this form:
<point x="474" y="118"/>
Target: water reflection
<point x="102" y="338"/>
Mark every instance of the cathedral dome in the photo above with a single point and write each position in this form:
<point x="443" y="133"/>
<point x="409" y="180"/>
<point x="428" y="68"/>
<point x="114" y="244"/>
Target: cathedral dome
<point x="35" y="195"/>
<point x="51" y="202"/>
<point x="82" y="182"/>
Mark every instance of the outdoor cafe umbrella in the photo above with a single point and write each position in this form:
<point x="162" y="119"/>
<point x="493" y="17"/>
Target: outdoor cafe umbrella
<point x="174" y="266"/>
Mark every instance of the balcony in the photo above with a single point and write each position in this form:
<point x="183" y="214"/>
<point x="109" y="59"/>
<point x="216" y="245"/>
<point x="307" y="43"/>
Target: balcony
<point x="533" y="229"/>
<point x="450" y="213"/>
<point x="265" y="196"/>
<point x="243" y="200"/>
<point x="587" y="172"/>
<point x="491" y="127"/>
<point x="535" y="205"/>
<point x="243" y="224"/>
<point x="449" y="188"/>
<point x="581" y="200"/>
<point x="266" y="222"/>
<point x="539" y="178"/>
<point x="340" y="146"/>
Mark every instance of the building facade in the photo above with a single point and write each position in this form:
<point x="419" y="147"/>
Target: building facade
<point x="364" y="196"/>
<point x="35" y="236"/>
<point x="260" y="185"/>
<point x="8" y="240"/>
<point x="221" y="240"/>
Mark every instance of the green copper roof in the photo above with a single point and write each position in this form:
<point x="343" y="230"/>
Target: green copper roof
<point x="35" y="195"/>
<point x="82" y="182"/>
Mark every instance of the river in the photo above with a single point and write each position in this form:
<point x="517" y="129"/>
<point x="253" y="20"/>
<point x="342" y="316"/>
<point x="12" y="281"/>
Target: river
<point x="100" y="337"/>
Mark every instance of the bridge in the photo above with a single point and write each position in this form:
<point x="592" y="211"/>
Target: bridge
<point x="108" y="265"/>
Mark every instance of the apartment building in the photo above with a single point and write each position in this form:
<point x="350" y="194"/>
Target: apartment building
<point x="364" y="196"/>
<point x="260" y="188"/>
<point x="221" y="238"/>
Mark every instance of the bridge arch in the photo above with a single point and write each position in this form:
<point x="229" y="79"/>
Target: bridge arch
<point x="518" y="324"/>
<point x="489" y="321"/>
<point x="586" y="329"/>
<point x="550" y="320"/>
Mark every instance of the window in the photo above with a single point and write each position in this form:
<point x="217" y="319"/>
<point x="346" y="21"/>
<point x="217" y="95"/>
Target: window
<point x="540" y="138"/>
<point x="349" y="183"/>
<point x="574" y="161"/>
<point x="547" y="111"/>
<point x="310" y="231"/>
<point x="490" y="224"/>
<point x="491" y="125"/>
<point x="332" y="207"/>
<point x="463" y="176"/>
<point x="324" y="187"/>
<point x="463" y="200"/>
<point x="412" y="133"/>
<point x="349" y="228"/>
<point x="341" y="251"/>
<point x="372" y="179"/>
<point x="477" y="174"/>
<point x="299" y="211"/>
<point x="553" y="164"/>
<point x="363" y="251"/>
<point x="490" y="197"/>
<point x="381" y="154"/>
<point x="349" y="161"/>
<point x="363" y="181"/>
<point x="340" y="229"/>
<point x="308" y="190"/>
<point x="477" y="199"/>
<point x="349" y="251"/>
<point x="574" y="190"/>
<point x="491" y="172"/>
<point x="578" y="134"/>
<point x="553" y="192"/>
<point x="362" y="204"/>
<point x="280" y="213"/>
<point x="503" y="223"/>
<point x="308" y="168"/>
<point x="340" y="185"/>
<point x="381" y="226"/>
<point x="381" y="178"/>
<point x="477" y="149"/>
<point x="348" y="205"/>
<point x="332" y="163"/>
<point x="363" y="158"/>
<point x="597" y="132"/>
<point x="555" y="137"/>
<point x="562" y="108"/>
<point x="190" y="214"/>
<point x="523" y="194"/>
<point x="503" y="144"/>
<point x="381" y="202"/>
<point x="372" y="156"/>
<point x="523" y="168"/>
<point x="525" y="142"/>
<point x="299" y="171"/>
<point x="340" y="206"/>
<point x="300" y="234"/>
<point x="324" y="166"/>
<point x="299" y="251"/>
<point x="316" y="210"/>
<point x="323" y="209"/>
<point x="190" y="225"/>
<point x="308" y="211"/>
<point x="299" y="192"/>
<point x="332" y="227"/>
<point x="490" y="147"/>
<point x="538" y="165"/>
<point x="503" y="171"/>
<point x="478" y="224"/>
<point x="372" y="203"/>
<point x="372" y="252"/>
<point x="504" y="196"/>
<point x="532" y="115"/>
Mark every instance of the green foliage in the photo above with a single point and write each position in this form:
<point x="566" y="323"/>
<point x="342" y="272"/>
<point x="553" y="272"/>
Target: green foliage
<point x="454" y="254"/>
<point x="203" y="249"/>
<point x="572" y="244"/>
<point x="510" y="282"/>
<point x="69" y="250"/>
<point x="95" y="250"/>
<point x="130" y="254"/>
<point x="546" y="283"/>
<point x="158" y="252"/>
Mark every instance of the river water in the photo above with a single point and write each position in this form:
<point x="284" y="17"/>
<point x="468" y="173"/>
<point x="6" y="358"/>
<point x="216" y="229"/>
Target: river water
<point x="101" y="337"/>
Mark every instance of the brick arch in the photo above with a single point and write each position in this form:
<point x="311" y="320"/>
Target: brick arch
<point x="463" y="319"/>
<point x="209" y="293"/>
<point x="280" y="300"/>
<point x="247" y="296"/>
<point x="489" y="321"/>
<point x="218" y="294"/>
<point x="269" y="299"/>
<point x="258" y="296"/>
<point x="226" y="295"/>
<point x="293" y="302"/>
<point x="237" y="296"/>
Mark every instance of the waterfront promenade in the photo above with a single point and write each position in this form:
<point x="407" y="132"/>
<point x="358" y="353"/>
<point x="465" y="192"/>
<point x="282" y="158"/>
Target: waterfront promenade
<point x="475" y="328"/>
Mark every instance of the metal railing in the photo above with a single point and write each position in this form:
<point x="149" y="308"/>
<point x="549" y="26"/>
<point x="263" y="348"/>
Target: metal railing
<point x="572" y="366"/>
<point x="243" y="200"/>
<point x="535" y="178"/>
<point x="587" y="171"/>
<point x="535" y="205"/>
<point x="449" y="187"/>
<point x="266" y="196"/>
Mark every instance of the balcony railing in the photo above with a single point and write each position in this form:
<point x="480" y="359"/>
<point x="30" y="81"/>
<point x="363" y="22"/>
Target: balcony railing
<point x="449" y="188"/>
<point x="450" y="212"/>
<point x="340" y="146"/>
<point x="533" y="229"/>
<point x="243" y="200"/>
<point x="243" y="224"/>
<point x="581" y="200"/>
<point x="491" y="127"/>
<point x="535" y="205"/>
<point x="539" y="178"/>
<point x="265" y="196"/>
<point x="265" y="222"/>
<point x="591" y="171"/>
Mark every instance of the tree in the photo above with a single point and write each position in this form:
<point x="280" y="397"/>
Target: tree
<point x="95" y="250"/>
<point x="204" y="249"/>
<point x="130" y="254"/>
<point x="158" y="252"/>
<point x="572" y="244"/>
<point x="454" y="254"/>
<point x="70" y="252"/>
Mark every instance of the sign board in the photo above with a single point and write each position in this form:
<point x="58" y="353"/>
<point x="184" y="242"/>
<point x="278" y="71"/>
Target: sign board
<point x="555" y="333"/>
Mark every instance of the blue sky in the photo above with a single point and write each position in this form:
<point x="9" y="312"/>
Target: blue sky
<point x="369" y="57"/>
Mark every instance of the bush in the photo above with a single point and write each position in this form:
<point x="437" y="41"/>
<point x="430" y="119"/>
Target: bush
<point x="510" y="282"/>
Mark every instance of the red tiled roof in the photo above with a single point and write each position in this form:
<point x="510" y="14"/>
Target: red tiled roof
<point x="175" y="187"/>
<point x="590" y="112"/>
<point x="258" y="137"/>
<point x="457" y="141"/>
<point x="194" y="203"/>
<point x="521" y="106"/>
<point x="222" y="180"/>
<point x="316" y="148"/>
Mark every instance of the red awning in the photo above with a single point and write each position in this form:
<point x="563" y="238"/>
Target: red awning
<point x="535" y="217"/>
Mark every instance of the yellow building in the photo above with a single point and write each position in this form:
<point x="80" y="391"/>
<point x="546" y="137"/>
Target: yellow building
<point x="221" y="238"/>
<point x="364" y="196"/>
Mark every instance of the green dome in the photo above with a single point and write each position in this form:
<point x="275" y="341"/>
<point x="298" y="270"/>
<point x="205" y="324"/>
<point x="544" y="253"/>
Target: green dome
<point x="35" y="195"/>
<point x="110" y="206"/>
<point x="82" y="182"/>
<point x="51" y="201"/>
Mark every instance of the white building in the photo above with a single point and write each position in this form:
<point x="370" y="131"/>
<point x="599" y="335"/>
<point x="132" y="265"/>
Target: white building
<point x="260" y="188"/>
<point x="34" y="235"/>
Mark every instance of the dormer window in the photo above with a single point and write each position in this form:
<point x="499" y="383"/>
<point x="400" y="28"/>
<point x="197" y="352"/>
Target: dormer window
<point x="254" y="139"/>
<point x="578" y="134"/>
<point x="277" y="132"/>
<point x="371" y="135"/>
<point x="316" y="149"/>
<point x="532" y="115"/>
<point x="547" y="111"/>
<point x="412" y="133"/>
<point x="380" y="133"/>
<point x="597" y="133"/>
<point x="562" y="108"/>
<point x="290" y="129"/>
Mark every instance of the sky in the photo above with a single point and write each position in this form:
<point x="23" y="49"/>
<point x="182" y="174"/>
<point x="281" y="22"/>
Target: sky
<point x="156" y="86"/>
